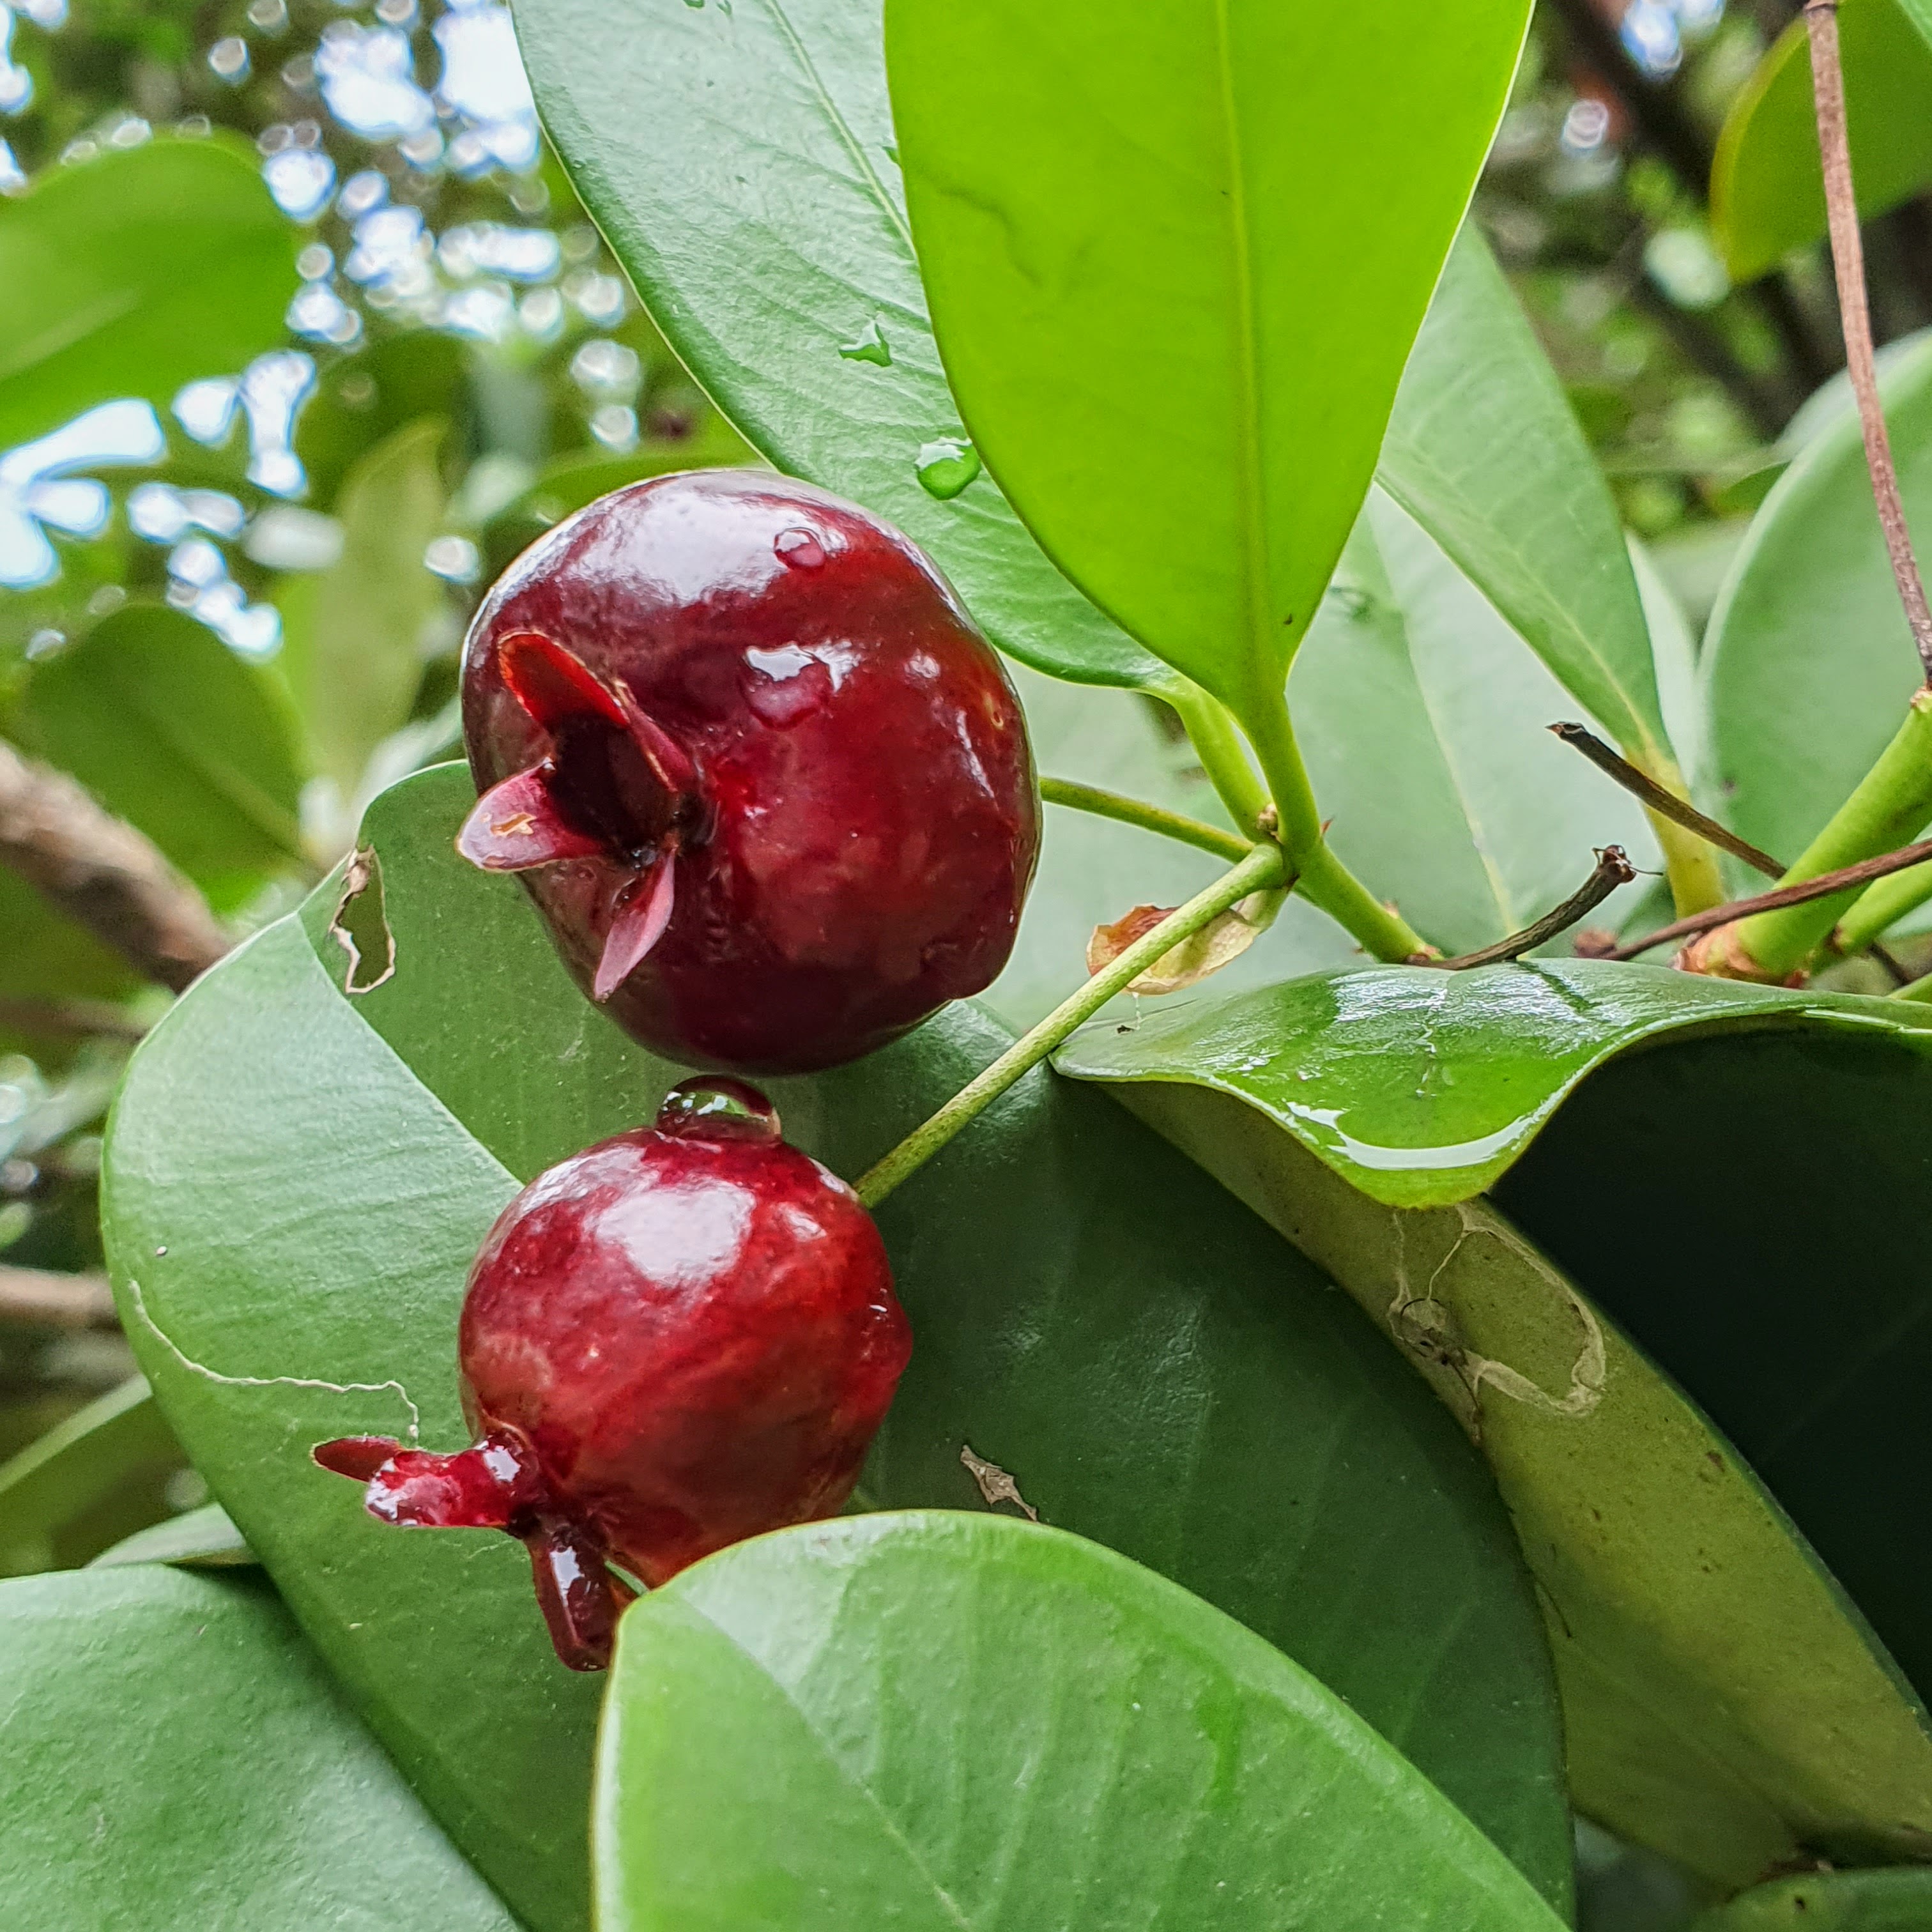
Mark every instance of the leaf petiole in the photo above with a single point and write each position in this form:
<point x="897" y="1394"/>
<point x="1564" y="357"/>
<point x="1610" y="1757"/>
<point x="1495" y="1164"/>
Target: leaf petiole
<point x="1117" y="805"/>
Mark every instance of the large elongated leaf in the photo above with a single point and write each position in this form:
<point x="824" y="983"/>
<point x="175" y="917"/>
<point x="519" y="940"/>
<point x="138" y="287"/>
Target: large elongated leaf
<point x="1423" y="719"/>
<point x="172" y="1754"/>
<point x="979" y="1722"/>
<point x="1767" y="189"/>
<point x="757" y="208"/>
<point x="1809" y="659"/>
<point x="93" y="1479"/>
<point x="1484" y="450"/>
<point x="1708" y="1663"/>
<point x="354" y="633"/>
<point x="133" y="274"/>
<point x="173" y="732"/>
<point x="1091" y="1314"/>
<point x="1177" y="264"/>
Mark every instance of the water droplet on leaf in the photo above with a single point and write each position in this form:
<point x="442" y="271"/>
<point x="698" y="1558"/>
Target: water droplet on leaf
<point x="869" y="346"/>
<point x="947" y="466"/>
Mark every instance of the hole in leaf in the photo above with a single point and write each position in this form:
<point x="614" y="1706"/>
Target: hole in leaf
<point x="361" y="926"/>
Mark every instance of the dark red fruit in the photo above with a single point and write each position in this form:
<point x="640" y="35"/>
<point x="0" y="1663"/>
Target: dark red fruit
<point x="680" y="1338"/>
<point x="769" y="787"/>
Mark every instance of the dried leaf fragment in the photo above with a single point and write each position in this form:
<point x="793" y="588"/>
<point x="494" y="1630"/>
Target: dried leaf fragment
<point x="995" y="1485"/>
<point x="1223" y="939"/>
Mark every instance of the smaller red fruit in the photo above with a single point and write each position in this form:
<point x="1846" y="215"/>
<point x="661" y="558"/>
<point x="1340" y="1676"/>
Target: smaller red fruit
<point x="678" y="1338"/>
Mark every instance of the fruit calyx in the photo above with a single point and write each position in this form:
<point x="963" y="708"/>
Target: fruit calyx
<point x="614" y="785"/>
<point x="496" y="1483"/>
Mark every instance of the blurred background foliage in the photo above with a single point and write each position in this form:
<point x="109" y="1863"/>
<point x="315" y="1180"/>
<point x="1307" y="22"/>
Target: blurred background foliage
<point x="386" y="348"/>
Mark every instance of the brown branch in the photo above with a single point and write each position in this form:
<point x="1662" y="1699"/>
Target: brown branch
<point x="38" y="1298"/>
<point x="1848" y="263"/>
<point x="1613" y="869"/>
<point x="102" y="873"/>
<point x="85" y="1018"/>
<point x="1822" y="887"/>
<point x="1665" y="804"/>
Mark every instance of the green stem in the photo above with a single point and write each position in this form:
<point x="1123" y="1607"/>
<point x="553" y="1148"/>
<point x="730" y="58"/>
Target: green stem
<point x="1104" y="804"/>
<point x="1892" y="804"/>
<point x="1264" y="866"/>
<point x="1218" y="744"/>
<point x="1321" y="877"/>
<point x="1881" y="906"/>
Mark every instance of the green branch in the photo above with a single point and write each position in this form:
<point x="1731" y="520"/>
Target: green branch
<point x="1264" y="867"/>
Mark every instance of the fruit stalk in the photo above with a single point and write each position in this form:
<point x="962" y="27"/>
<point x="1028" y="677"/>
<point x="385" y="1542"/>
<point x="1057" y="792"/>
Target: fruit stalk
<point x="1116" y="805"/>
<point x="1266" y="866"/>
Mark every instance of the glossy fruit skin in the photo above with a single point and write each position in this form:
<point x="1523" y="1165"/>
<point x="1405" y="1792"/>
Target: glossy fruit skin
<point x="855" y="848"/>
<point x="680" y="1337"/>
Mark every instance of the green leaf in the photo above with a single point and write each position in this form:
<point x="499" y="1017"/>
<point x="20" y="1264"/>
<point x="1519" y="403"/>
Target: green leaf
<point x="1767" y="190"/>
<point x="204" y="1538"/>
<point x="1059" y="1265"/>
<point x="1899" y="1900"/>
<point x="1484" y="451"/>
<point x="174" y="733"/>
<point x="48" y="958"/>
<point x="1919" y="13"/>
<point x="176" y="1756"/>
<point x="1176" y="271"/>
<point x="757" y="208"/>
<point x="93" y="1479"/>
<point x="354" y="634"/>
<point x="134" y="274"/>
<point x="1809" y="660"/>
<point x="1710" y="1666"/>
<point x="364" y="398"/>
<point x="1470" y="815"/>
<point x="979" y="1722"/>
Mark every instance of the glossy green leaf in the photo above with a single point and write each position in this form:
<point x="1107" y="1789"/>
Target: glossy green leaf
<point x="975" y="1721"/>
<point x="353" y="648"/>
<point x="134" y="274"/>
<point x="1710" y="1666"/>
<point x="1091" y="1315"/>
<point x="758" y="210"/>
<point x="203" y="1538"/>
<point x="173" y="732"/>
<point x="1485" y="452"/>
<point x="1469" y="814"/>
<point x="1176" y="352"/>
<point x="1808" y="658"/>
<point x="176" y="1756"/>
<point x="1420" y="1087"/>
<point x="1898" y="1900"/>
<point x="1767" y="190"/>
<point x="85" y="1484"/>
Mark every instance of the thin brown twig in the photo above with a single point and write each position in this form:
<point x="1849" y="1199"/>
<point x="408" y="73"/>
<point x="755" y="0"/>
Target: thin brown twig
<point x="1848" y="263"/>
<point x="1613" y="869"/>
<point x="1665" y="804"/>
<point x="40" y="1298"/>
<point x="103" y="874"/>
<point x="1822" y="887"/>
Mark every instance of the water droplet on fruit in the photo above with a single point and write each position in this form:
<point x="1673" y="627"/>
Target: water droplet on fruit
<point x="869" y="345"/>
<point x="945" y="466"/>
<point x="799" y="549"/>
<point x="714" y="1107"/>
<point x="783" y="686"/>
